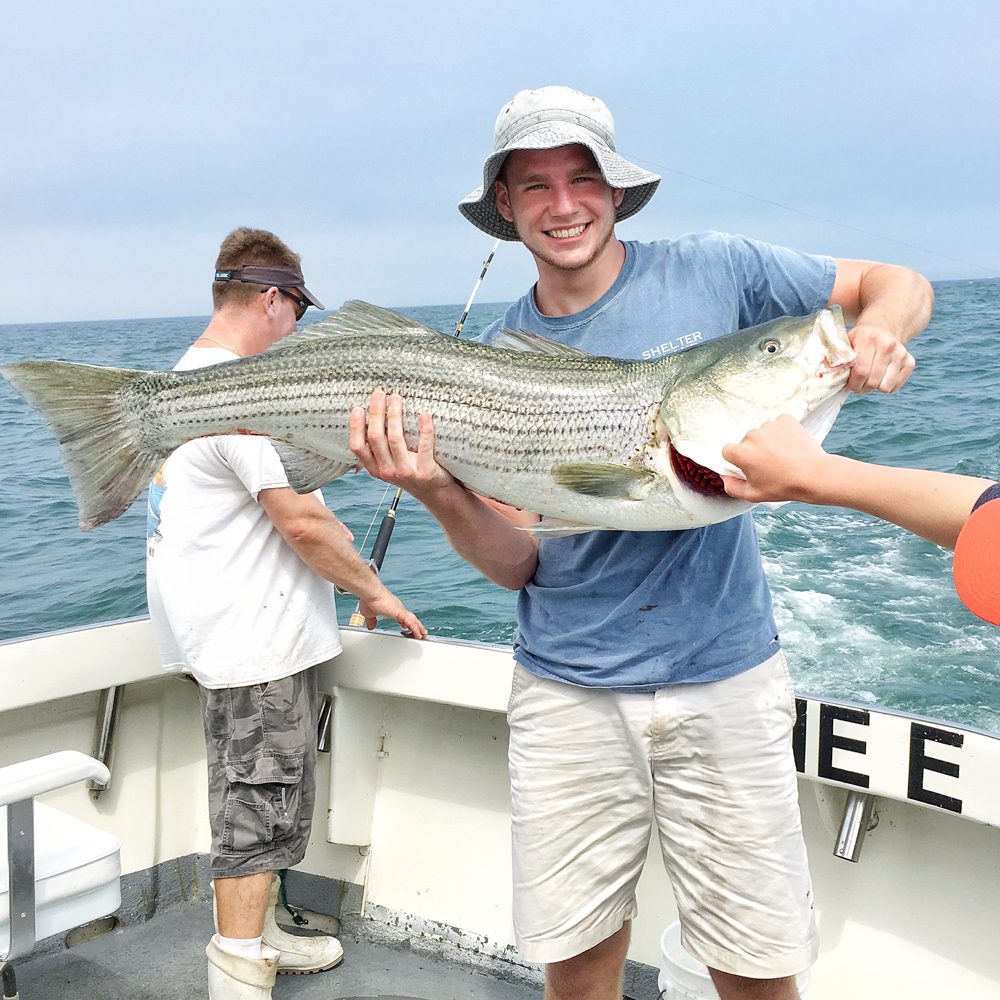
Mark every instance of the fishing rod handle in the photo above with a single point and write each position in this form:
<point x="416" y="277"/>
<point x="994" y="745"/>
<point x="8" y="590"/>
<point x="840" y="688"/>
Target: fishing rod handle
<point x="382" y="540"/>
<point x="378" y="554"/>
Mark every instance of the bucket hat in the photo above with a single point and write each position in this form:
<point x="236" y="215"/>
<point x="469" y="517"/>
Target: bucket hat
<point x="545" y="119"/>
<point x="977" y="558"/>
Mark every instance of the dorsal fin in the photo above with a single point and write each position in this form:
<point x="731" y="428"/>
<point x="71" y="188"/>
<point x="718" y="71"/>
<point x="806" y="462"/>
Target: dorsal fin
<point x="356" y="316"/>
<point x="533" y="343"/>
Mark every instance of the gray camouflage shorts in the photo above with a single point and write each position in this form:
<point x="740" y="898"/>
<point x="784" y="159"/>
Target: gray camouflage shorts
<point x="261" y="744"/>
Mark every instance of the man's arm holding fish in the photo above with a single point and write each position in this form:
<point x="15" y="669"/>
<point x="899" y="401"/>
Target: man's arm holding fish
<point x="782" y="462"/>
<point x="482" y="532"/>
<point x="324" y="544"/>
<point x="888" y="305"/>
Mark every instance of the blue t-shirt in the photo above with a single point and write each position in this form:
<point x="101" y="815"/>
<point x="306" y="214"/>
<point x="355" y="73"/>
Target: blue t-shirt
<point x="640" y="610"/>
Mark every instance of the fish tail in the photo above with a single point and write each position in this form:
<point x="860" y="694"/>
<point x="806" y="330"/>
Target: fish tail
<point x="107" y="465"/>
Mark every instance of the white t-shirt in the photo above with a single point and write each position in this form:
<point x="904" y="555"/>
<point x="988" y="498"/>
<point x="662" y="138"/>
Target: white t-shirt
<point x="230" y="601"/>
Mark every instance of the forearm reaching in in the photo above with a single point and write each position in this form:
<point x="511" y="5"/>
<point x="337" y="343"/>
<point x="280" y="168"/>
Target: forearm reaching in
<point x="782" y="462"/>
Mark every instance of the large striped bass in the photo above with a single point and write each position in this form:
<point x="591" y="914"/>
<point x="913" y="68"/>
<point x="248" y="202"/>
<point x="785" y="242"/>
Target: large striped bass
<point x="588" y="442"/>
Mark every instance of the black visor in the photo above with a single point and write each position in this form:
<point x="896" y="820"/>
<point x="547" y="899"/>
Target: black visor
<point x="280" y="277"/>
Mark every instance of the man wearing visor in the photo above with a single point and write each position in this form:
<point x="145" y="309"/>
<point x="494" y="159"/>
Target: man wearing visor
<point x="240" y="583"/>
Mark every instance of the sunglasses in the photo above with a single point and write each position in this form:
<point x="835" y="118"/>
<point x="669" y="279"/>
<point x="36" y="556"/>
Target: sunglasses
<point x="301" y="305"/>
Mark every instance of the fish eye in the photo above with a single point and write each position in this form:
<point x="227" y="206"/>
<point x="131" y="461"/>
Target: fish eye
<point x="770" y="346"/>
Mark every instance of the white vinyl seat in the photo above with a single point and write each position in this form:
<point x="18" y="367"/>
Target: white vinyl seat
<point x="56" y="872"/>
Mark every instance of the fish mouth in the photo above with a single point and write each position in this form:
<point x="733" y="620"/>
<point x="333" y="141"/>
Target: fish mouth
<point x="696" y="477"/>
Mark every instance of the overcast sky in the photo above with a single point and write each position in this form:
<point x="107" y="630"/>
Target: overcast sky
<point x="137" y="134"/>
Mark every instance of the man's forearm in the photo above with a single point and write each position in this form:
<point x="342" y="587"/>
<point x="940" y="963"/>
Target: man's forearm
<point x="886" y="295"/>
<point x="898" y="298"/>
<point x="484" y="537"/>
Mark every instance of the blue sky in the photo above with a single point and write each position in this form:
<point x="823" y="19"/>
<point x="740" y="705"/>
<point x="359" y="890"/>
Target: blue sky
<point x="138" y="134"/>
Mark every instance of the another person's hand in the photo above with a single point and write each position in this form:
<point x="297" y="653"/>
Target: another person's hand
<point x="883" y="363"/>
<point x="780" y="461"/>
<point x="379" y="445"/>
<point x="390" y="606"/>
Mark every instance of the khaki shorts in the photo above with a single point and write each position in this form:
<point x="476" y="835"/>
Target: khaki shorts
<point x="712" y="766"/>
<point x="261" y="744"/>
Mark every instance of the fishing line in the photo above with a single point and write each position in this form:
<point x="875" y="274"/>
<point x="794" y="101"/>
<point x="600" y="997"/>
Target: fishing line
<point x="378" y="507"/>
<point x="820" y="218"/>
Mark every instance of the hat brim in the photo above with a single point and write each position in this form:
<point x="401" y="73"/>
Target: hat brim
<point x="480" y="206"/>
<point x="977" y="562"/>
<point x="310" y="298"/>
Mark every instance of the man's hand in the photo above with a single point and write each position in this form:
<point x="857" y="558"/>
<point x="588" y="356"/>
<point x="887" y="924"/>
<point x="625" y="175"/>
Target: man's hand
<point x="883" y="363"/>
<point x="381" y="448"/>
<point x="889" y="305"/>
<point x="390" y="606"/>
<point x="483" y="533"/>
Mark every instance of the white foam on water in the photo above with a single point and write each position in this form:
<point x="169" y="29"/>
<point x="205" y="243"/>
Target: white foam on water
<point x="868" y="613"/>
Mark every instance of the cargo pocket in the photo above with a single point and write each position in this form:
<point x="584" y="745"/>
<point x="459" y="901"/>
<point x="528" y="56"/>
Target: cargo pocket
<point x="263" y="803"/>
<point x="217" y="710"/>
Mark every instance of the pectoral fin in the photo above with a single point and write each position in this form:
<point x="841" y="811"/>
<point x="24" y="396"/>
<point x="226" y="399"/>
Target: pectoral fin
<point x="606" y="480"/>
<point x="306" y="470"/>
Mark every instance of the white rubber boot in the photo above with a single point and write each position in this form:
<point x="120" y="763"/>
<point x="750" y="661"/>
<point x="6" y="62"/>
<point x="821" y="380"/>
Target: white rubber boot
<point x="231" y="977"/>
<point x="300" y="955"/>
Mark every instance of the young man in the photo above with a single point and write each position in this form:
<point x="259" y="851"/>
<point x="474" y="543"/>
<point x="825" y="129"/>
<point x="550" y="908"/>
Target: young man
<point x="240" y="574"/>
<point x="649" y="685"/>
<point x="782" y="462"/>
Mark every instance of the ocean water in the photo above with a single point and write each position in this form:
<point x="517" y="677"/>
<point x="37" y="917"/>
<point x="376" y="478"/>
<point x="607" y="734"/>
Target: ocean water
<point x="867" y="613"/>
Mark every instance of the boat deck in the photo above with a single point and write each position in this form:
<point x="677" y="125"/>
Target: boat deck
<point x="164" y="959"/>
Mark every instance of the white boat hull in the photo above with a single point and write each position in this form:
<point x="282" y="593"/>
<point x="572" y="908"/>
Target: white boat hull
<point x="413" y="803"/>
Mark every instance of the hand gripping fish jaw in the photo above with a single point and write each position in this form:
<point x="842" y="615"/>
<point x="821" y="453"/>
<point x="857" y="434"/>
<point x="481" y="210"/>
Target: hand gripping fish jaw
<point x="797" y="366"/>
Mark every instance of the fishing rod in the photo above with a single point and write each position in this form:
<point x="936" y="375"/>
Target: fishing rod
<point x="475" y="289"/>
<point x="381" y="542"/>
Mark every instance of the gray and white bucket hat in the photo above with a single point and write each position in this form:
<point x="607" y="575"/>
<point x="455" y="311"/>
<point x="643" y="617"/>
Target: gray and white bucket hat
<point x="545" y="119"/>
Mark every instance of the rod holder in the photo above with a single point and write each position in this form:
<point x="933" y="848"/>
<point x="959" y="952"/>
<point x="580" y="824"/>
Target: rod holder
<point x="104" y="737"/>
<point x="856" y="822"/>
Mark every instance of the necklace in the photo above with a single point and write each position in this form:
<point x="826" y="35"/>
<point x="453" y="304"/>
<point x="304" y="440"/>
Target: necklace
<point x="212" y="340"/>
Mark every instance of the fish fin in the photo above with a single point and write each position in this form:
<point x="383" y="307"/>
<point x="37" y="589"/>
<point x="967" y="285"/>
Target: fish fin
<point x="306" y="470"/>
<point x="557" y="527"/>
<point x="356" y="316"/>
<point x="533" y="343"/>
<point x="107" y="465"/>
<point x="605" y="480"/>
<point x="819" y="419"/>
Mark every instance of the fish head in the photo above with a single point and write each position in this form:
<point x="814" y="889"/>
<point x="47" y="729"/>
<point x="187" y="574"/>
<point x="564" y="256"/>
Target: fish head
<point x="729" y="386"/>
